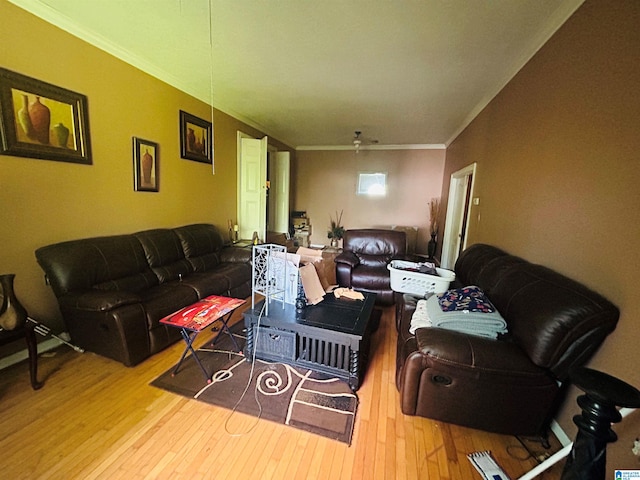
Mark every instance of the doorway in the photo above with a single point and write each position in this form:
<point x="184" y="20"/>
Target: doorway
<point x="458" y="211"/>
<point x="263" y="187"/>
<point x="252" y="186"/>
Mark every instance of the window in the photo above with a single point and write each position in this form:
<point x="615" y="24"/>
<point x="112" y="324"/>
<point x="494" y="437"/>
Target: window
<point x="372" y="184"/>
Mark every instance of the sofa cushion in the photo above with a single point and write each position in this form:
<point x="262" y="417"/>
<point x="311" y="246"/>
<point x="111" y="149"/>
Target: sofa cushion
<point x="107" y="263"/>
<point x="483" y="265"/>
<point x="208" y="283"/>
<point x="201" y="244"/>
<point x="473" y="260"/>
<point x="165" y="299"/>
<point x="235" y="273"/>
<point x="164" y="254"/>
<point x="97" y="300"/>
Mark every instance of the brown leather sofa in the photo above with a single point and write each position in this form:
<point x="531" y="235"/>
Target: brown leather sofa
<point x="113" y="291"/>
<point x="362" y="265"/>
<point x="512" y="385"/>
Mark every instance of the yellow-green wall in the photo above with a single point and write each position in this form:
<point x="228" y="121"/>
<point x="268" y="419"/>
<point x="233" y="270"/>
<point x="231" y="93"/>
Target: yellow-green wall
<point x="557" y="154"/>
<point x="43" y="202"/>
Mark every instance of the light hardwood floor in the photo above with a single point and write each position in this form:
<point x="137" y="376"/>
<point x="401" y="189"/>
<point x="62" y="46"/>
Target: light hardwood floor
<point x="95" y="418"/>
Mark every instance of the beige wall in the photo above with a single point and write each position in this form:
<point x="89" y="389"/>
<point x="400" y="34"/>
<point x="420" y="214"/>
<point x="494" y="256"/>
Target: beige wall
<point x="42" y="202"/>
<point x="326" y="182"/>
<point x="557" y="154"/>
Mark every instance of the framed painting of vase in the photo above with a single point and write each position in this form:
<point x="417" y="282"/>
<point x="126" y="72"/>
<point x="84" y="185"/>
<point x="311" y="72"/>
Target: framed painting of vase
<point x="41" y="120"/>
<point x="145" y="165"/>
<point x="196" y="138"/>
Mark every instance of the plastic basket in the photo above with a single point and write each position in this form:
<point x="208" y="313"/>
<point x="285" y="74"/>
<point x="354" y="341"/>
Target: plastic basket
<point x="416" y="283"/>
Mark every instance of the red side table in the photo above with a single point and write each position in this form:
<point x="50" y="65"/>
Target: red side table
<point x="197" y="317"/>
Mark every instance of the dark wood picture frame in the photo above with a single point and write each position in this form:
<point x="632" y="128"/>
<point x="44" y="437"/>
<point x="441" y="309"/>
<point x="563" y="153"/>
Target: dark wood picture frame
<point x="196" y="138"/>
<point x="146" y="172"/>
<point x="41" y="120"/>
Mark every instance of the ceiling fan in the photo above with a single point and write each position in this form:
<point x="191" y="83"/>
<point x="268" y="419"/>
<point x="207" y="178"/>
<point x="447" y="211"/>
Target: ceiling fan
<point x="358" y="140"/>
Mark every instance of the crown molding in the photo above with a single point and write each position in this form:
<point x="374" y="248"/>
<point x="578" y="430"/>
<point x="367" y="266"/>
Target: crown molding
<point x="415" y="146"/>
<point x="56" y="18"/>
<point x="558" y="19"/>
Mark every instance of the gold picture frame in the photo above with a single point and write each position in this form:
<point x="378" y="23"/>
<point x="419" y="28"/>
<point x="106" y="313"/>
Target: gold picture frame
<point x="41" y="120"/>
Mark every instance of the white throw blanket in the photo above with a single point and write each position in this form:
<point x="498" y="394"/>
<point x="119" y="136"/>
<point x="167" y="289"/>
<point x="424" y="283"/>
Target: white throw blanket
<point x="429" y="314"/>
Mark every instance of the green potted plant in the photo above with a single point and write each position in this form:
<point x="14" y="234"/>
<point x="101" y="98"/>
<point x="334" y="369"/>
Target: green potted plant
<point x="336" y="230"/>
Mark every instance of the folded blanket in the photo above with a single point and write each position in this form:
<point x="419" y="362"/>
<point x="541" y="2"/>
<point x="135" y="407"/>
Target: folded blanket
<point x="474" y="323"/>
<point x="420" y="318"/>
<point x="469" y="298"/>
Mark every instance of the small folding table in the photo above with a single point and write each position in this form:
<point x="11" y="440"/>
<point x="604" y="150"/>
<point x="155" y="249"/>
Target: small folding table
<point x="197" y="317"/>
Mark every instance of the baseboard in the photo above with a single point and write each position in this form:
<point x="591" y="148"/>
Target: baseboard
<point x="45" y="346"/>
<point x="562" y="437"/>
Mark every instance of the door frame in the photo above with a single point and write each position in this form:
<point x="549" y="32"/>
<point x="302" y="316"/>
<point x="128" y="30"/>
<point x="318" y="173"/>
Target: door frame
<point x="280" y="189"/>
<point x="458" y="212"/>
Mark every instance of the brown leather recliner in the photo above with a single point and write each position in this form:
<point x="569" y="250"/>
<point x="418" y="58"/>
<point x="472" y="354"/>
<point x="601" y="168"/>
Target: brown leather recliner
<point x="363" y="263"/>
<point x="512" y="385"/>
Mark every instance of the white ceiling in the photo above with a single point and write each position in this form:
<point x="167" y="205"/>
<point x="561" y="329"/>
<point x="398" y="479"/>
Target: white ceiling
<point x="310" y="73"/>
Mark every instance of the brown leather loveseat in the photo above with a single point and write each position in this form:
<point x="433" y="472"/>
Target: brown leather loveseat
<point x="113" y="291"/>
<point x="511" y="385"/>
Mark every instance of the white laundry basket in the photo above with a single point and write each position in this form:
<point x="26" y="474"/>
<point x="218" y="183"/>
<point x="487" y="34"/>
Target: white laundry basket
<point x="415" y="283"/>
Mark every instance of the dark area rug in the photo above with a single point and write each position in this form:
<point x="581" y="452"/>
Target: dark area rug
<point x="281" y="393"/>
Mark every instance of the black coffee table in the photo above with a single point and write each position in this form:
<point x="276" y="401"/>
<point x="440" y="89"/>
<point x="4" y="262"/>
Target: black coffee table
<point x="332" y="337"/>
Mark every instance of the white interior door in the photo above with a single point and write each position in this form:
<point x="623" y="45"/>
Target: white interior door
<point x="458" y="210"/>
<point x="252" y="180"/>
<point x="279" y="191"/>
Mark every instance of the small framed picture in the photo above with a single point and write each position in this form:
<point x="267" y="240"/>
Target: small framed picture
<point x="196" y="138"/>
<point x="40" y="120"/>
<point x="145" y="165"/>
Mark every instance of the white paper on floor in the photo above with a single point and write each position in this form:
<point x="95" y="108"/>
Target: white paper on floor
<point x="487" y="466"/>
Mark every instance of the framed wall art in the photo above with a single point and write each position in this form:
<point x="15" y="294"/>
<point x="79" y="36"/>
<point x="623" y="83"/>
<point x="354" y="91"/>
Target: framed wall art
<point x="196" y="138"/>
<point x="40" y="120"/>
<point x="145" y="165"/>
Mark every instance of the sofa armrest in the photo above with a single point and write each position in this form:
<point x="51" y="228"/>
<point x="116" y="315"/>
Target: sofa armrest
<point x="236" y="254"/>
<point x="97" y="300"/>
<point x="348" y="258"/>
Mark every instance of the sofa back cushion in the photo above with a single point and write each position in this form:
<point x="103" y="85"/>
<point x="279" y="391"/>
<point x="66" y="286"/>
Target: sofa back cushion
<point x="164" y="254"/>
<point x="482" y="264"/>
<point x="375" y="247"/>
<point x="557" y="321"/>
<point x="201" y="244"/>
<point x="108" y="263"/>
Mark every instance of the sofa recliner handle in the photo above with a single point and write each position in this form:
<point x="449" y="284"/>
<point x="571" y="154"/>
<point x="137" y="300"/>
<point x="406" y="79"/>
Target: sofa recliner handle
<point x="441" y="380"/>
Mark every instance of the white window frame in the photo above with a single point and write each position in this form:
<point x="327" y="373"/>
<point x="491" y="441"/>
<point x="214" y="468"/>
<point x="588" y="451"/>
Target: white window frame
<point x="372" y="184"/>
